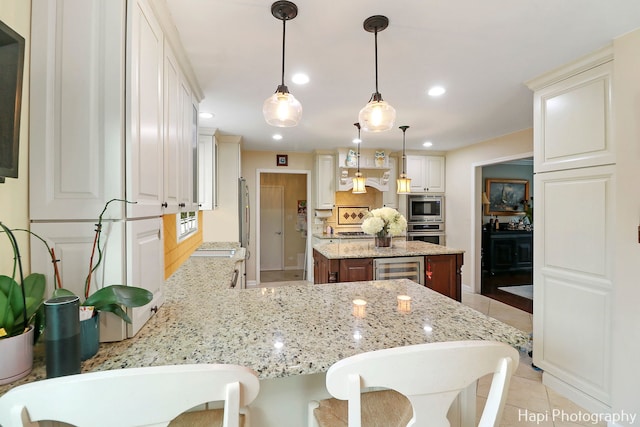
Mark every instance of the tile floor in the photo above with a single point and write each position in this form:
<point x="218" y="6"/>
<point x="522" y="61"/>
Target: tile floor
<point x="529" y="402"/>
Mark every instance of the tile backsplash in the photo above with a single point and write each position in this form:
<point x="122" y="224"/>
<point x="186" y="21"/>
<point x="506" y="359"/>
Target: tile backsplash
<point x="372" y="199"/>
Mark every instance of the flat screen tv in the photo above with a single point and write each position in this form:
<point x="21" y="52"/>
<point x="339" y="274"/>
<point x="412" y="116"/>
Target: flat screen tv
<point x="11" y="70"/>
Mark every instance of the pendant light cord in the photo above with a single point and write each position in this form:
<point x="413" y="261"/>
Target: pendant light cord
<point x="375" y="38"/>
<point x="284" y="31"/>
<point x="404" y="157"/>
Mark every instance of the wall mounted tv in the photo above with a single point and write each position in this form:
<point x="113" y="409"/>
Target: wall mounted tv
<point x="11" y="70"/>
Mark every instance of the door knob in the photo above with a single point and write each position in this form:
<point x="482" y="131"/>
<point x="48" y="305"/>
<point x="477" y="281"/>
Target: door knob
<point x="278" y="232"/>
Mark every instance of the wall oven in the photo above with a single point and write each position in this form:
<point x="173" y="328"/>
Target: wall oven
<point x="425" y="208"/>
<point x="427" y="232"/>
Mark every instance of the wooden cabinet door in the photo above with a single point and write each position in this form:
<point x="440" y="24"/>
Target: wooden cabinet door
<point x="443" y="275"/>
<point x="324" y="270"/>
<point x="356" y="269"/>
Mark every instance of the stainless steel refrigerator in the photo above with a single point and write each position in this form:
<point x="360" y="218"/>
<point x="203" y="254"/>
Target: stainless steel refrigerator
<point x="244" y="213"/>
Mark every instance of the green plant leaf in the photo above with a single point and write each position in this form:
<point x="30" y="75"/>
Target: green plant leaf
<point x="34" y="288"/>
<point x="129" y="296"/>
<point x="117" y="310"/>
<point x="11" y="290"/>
<point x="62" y="292"/>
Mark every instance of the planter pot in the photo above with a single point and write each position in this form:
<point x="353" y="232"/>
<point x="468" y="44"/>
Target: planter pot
<point x="383" y="242"/>
<point x="89" y="337"/>
<point x="16" y="354"/>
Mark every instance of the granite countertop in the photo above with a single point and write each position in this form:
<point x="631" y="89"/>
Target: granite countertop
<point x="399" y="248"/>
<point x="288" y="330"/>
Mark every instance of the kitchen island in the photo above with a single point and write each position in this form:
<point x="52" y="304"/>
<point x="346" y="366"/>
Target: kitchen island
<point x="289" y="335"/>
<point x="354" y="261"/>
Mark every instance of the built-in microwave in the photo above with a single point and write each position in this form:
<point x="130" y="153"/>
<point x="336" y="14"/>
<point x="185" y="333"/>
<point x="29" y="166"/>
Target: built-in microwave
<point x="425" y="208"/>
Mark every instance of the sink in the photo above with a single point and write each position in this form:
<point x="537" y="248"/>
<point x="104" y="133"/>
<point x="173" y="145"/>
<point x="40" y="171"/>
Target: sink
<point x="219" y="253"/>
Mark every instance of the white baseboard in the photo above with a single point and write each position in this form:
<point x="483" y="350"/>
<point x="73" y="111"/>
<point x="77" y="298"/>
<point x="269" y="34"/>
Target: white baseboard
<point x="578" y="397"/>
<point x="252" y="284"/>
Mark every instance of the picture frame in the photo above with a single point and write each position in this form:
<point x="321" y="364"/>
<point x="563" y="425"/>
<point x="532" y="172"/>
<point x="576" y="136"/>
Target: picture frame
<point x="506" y="196"/>
<point x="282" y="160"/>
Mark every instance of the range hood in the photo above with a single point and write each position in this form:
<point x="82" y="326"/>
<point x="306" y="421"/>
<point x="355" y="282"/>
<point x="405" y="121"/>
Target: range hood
<point x="374" y="165"/>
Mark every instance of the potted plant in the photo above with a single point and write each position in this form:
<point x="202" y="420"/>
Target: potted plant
<point x="21" y="316"/>
<point x="111" y="298"/>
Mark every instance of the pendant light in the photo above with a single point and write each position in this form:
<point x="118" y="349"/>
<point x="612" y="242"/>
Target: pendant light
<point x="282" y="109"/>
<point x="404" y="183"/>
<point x="359" y="179"/>
<point x="377" y="115"/>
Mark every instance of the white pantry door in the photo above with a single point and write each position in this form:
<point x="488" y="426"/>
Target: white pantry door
<point x="271" y="228"/>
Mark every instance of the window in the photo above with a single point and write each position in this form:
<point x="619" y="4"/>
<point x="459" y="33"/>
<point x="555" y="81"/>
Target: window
<point x="187" y="223"/>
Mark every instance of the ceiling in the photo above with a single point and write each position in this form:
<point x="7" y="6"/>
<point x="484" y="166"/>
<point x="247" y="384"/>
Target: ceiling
<point x="482" y="52"/>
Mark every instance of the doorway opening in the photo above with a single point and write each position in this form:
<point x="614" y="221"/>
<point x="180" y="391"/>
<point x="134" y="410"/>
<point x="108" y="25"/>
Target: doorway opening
<point x="282" y="224"/>
<point x="504" y="257"/>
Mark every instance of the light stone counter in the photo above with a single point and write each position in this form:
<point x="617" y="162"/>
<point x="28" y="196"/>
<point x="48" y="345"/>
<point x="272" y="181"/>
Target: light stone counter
<point x="399" y="248"/>
<point x="289" y="335"/>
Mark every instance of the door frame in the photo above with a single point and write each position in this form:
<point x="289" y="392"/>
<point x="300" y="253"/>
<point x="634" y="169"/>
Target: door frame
<point x="281" y="188"/>
<point x="477" y="188"/>
<point x="309" y="258"/>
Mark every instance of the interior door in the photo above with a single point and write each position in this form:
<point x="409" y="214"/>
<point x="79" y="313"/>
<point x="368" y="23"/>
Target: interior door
<point x="271" y="228"/>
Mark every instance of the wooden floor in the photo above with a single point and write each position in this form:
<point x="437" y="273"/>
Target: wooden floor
<point x="490" y="285"/>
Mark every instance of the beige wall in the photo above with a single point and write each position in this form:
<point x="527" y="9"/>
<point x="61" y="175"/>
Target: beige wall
<point x="464" y="189"/>
<point x="265" y="161"/>
<point x="295" y="189"/>
<point x="14" y="193"/>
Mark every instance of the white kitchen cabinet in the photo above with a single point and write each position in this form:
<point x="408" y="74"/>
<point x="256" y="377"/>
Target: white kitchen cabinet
<point x="426" y="173"/>
<point x="133" y="255"/>
<point x="144" y="135"/>
<point x="172" y="131"/>
<point x="390" y="197"/>
<point x="77" y="109"/>
<point x="97" y="133"/>
<point x="325" y="181"/>
<point x="574" y="230"/>
<point x="207" y="169"/>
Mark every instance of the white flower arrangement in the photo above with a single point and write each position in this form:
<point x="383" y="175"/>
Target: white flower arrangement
<point x="383" y="222"/>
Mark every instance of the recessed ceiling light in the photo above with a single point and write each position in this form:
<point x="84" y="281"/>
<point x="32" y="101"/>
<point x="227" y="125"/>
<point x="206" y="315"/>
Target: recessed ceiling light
<point x="277" y="137"/>
<point x="427" y="144"/>
<point x="436" y="91"/>
<point x="300" y="79"/>
<point x="205" y="115"/>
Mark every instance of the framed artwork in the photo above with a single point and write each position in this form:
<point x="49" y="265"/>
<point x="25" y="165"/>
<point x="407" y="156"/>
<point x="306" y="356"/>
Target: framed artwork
<point x="282" y="160"/>
<point x="506" y="196"/>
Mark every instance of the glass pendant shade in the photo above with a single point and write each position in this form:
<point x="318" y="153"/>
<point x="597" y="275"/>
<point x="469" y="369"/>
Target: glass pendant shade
<point x="282" y="109"/>
<point x="377" y="115"/>
<point x="403" y="185"/>
<point x="358" y="184"/>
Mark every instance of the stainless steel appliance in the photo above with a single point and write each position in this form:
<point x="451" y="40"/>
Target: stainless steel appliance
<point x="399" y="268"/>
<point x="244" y="214"/>
<point x="425" y="208"/>
<point x="431" y="232"/>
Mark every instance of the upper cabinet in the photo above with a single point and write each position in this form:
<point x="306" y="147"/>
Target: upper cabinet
<point x="572" y="116"/>
<point x="109" y="103"/>
<point x="374" y="166"/>
<point x="144" y="93"/>
<point x="426" y="173"/>
<point x="207" y="169"/>
<point x="325" y="181"/>
<point x="390" y="197"/>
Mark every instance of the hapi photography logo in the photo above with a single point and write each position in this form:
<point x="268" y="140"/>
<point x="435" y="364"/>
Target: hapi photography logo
<point x="580" y="417"/>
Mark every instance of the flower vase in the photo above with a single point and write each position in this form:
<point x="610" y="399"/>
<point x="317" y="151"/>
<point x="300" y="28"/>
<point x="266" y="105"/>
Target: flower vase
<point x="383" y="242"/>
<point x="17" y="356"/>
<point x="89" y="337"/>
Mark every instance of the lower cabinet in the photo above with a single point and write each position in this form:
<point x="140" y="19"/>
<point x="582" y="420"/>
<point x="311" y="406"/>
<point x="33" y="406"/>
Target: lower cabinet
<point x="443" y="274"/>
<point x="507" y="251"/>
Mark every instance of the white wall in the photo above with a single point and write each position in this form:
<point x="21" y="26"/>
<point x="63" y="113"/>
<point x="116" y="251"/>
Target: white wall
<point x="464" y="191"/>
<point x="14" y="193"/>
<point x="626" y="290"/>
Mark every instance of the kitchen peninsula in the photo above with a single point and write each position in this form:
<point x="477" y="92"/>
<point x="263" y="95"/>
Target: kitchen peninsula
<point x="289" y="335"/>
<point x="354" y="261"/>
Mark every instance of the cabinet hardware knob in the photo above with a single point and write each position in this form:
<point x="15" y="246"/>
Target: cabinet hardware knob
<point x="182" y="205"/>
<point x="165" y="205"/>
<point x="154" y="309"/>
